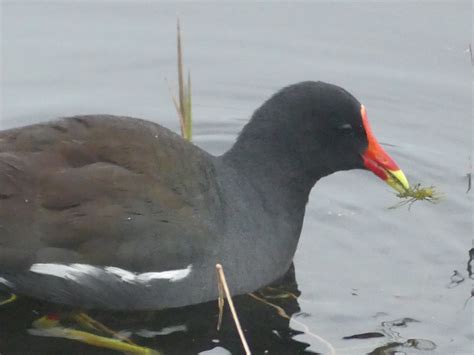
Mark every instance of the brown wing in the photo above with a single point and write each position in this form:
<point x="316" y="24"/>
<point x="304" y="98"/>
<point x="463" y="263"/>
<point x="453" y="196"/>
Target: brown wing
<point x="102" y="190"/>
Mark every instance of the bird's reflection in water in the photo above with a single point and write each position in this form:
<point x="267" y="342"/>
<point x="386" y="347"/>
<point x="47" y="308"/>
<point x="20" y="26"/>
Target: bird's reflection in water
<point x="187" y="330"/>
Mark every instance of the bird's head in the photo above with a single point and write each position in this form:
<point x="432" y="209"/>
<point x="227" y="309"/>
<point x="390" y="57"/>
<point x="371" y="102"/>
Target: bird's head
<point x="319" y="128"/>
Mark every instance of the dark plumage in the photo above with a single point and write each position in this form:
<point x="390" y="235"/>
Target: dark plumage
<point x="118" y="192"/>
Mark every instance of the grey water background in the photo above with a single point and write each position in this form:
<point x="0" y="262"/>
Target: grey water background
<point x="360" y="266"/>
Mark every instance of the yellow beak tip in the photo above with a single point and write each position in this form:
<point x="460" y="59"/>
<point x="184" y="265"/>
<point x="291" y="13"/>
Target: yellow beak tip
<point x="397" y="180"/>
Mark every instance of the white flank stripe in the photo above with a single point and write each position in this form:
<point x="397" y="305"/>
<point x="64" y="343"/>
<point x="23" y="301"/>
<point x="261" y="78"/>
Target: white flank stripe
<point x="125" y="275"/>
<point x="72" y="271"/>
<point x="171" y="275"/>
<point x="77" y="271"/>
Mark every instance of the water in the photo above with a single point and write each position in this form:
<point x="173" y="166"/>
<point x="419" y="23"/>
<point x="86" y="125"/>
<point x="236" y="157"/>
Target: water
<point x="361" y="268"/>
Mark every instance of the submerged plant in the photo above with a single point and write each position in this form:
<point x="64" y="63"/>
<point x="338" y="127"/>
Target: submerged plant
<point x="417" y="193"/>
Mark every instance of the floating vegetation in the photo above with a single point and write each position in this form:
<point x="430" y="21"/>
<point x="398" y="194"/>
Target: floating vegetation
<point x="417" y="193"/>
<point x="11" y="298"/>
<point x="50" y="326"/>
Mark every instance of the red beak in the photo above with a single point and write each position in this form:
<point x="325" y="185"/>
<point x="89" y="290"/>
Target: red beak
<point x="379" y="162"/>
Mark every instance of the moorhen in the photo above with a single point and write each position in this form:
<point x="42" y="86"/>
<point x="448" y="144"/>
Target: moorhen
<point x="120" y="213"/>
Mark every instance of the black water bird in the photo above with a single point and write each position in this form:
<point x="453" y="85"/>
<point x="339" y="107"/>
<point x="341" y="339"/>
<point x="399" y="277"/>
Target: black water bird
<point x="115" y="212"/>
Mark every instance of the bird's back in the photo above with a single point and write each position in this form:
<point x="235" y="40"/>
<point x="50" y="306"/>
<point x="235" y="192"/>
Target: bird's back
<point x="72" y="187"/>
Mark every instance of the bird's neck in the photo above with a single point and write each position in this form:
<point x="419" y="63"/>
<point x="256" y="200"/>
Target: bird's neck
<point x="273" y="186"/>
<point x="275" y="173"/>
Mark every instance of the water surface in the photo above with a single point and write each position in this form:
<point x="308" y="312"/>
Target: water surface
<point x="372" y="280"/>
